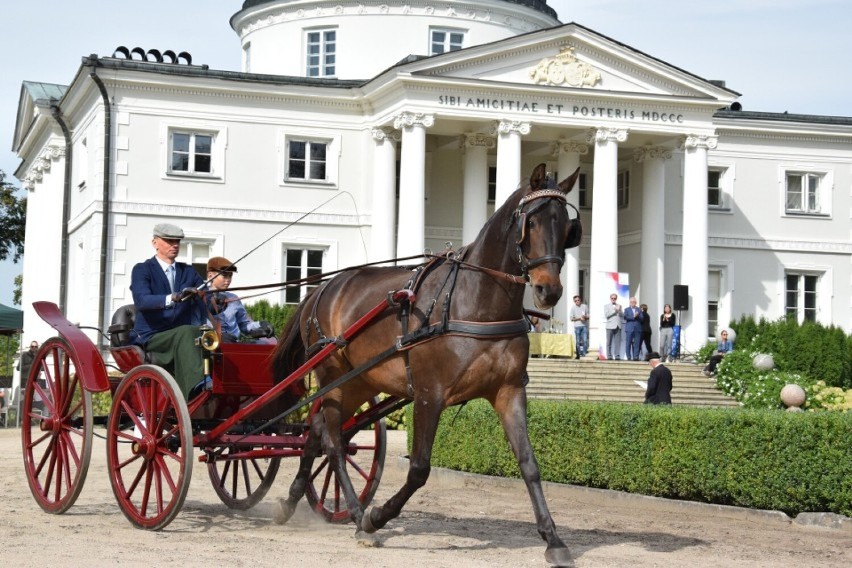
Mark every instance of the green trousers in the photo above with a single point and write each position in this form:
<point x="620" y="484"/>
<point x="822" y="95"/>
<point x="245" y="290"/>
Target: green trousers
<point x="176" y="351"/>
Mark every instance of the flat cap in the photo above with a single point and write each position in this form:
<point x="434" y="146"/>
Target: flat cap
<point x="220" y="264"/>
<point x="168" y="231"/>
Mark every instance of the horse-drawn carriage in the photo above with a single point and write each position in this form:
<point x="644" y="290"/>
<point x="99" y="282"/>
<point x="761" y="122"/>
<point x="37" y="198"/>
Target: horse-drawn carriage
<point x="450" y="330"/>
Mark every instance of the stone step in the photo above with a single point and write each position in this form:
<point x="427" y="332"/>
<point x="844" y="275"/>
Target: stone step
<point x="593" y="380"/>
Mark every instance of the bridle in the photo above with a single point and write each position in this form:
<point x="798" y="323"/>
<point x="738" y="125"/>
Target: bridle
<point x="538" y="199"/>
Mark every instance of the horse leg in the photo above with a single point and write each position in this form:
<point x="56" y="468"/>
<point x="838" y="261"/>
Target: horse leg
<point x="287" y="507"/>
<point x="426" y="416"/>
<point x="511" y="407"/>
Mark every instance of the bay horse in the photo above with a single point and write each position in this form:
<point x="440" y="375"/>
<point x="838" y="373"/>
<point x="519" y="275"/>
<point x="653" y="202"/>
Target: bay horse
<point x="463" y="337"/>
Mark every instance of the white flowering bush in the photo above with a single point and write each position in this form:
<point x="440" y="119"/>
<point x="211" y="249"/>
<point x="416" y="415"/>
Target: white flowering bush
<point x="754" y="388"/>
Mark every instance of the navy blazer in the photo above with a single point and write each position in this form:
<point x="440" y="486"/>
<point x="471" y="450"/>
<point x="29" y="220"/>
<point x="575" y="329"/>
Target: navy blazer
<point x="633" y="318"/>
<point x="149" y="286"/>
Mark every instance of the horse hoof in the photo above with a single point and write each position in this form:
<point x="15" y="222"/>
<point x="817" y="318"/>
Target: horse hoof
<point x="365" y="540"/>
<point x="559" y="557"/>
<point x="283" y="512"/>
<point x="367" y="521"/>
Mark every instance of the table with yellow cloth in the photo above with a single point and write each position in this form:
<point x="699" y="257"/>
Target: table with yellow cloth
<point x="552" y="345"/>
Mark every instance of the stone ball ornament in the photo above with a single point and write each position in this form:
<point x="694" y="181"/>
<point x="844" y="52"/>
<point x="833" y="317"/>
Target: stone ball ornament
<point x="763" y="362"/>
<point x="793" y="396"/>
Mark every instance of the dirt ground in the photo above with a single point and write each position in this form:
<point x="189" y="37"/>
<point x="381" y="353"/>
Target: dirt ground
<point x="455" y="522"/>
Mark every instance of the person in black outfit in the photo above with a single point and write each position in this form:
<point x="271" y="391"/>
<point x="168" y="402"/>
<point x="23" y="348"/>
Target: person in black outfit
<point x="646" y="329"/>
<point x="667" y="323"/>
<point x="659" y="382"/>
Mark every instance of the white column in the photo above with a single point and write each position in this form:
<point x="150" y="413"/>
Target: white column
<point x="384" y="201"/>
<point x="604" y="243"/>
<point x="568" y="155"/>
<point x="411" y="238"/>
<point x="475" y="197"/>
<point x="653" y="247"/>
<point x="694" y="253"/>
<point x="508" y="134"/>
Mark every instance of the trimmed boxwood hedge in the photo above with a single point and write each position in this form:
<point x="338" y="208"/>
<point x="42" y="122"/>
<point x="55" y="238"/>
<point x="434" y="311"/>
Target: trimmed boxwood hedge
<point x="791" y="462"/>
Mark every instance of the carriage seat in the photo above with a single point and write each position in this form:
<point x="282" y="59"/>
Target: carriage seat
<point x="126" y="354"/>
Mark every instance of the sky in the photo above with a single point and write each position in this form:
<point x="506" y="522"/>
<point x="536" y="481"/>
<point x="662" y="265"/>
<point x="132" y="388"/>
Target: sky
<point x="781" y="55"/>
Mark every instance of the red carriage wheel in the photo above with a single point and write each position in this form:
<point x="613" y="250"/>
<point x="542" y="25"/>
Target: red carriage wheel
<point x="149" y="447"/>
<point x="241" y="483"/>
<point x="365" y="460"/>
<point x="56" y="427"/>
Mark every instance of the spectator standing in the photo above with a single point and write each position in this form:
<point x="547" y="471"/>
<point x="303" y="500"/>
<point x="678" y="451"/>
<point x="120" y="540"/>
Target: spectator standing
<point x="646" y="328"/>
<point x="667" y="323"/>
<point x="580" y="316"/>
<point x="633" y="330"/>
<point x="613" y="313"/>
<point x="659" y="382"/>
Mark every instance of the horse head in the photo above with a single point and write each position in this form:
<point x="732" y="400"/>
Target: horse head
<point x="545" y="230"/>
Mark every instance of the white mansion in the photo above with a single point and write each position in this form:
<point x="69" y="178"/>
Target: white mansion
<point x="333" y="150"/>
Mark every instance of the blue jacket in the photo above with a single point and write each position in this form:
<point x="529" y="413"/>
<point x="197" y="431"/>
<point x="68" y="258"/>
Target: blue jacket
<point x="149" y="286"/>
<point x="633" y="319"/>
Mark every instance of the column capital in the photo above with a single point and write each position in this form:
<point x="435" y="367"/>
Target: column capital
<point x="568" y="147"/>
<point x="475" y="139"/>
<point x="409" y="119"/>
<point x="509" y="126"/>
<point x="648" y="152"/>
<point x="382" y="133"/>
<point x="606" y="135"/>
<point x="699" y="141"/>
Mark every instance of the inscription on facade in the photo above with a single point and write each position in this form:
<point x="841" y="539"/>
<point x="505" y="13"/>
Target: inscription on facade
<point x="535" y="107"/>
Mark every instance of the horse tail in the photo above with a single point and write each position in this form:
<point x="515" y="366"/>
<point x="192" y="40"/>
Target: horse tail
<point x="290" y="353"/>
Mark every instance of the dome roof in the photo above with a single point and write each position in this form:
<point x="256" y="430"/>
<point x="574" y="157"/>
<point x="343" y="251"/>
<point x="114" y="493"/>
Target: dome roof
<point x="539" y="5"/>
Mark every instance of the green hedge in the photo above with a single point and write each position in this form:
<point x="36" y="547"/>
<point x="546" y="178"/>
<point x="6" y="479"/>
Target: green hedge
<point x="792" y="462"/>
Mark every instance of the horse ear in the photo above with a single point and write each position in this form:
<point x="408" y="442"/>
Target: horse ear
<point x="538" y="179"/>
<point x="568" y="184"/>
<point x="575" y="234"/>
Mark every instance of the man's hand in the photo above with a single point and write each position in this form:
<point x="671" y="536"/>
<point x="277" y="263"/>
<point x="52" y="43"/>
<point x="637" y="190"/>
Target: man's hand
<point x="184" y="294"/>
<point x="216" y="303"/>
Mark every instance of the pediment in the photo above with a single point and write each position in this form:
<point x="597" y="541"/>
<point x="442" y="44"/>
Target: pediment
<point x="570" y="57"/>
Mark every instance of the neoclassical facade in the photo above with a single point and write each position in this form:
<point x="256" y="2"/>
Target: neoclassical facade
<point x="330" y="150"/>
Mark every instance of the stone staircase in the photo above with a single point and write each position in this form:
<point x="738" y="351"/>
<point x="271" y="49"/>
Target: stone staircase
<point x="590" y="379"/>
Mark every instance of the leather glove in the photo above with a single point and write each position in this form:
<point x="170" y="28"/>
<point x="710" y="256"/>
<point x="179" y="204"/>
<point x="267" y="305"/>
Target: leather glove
<point x="264" y="330"/>
<point x="216" y="303"/>
<point x="184" y="294"/>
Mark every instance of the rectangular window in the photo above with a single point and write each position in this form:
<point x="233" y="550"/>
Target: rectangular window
<point x="196" y="252"/>
<point x="321" y="47"/>
<point x="801" y="296"/>
<point x="584" y="196"/>
<point x="492" y="184"/>
<point x="622" y="185"/>
<point x="714" y="188"/>
<point x="714" y="294"/>
<point x="301" y="263"/>
<point x="306" y="160"/>
<point x="191" y="153"/>
<point x="803" y="192"/>
<point x="443" y="41"/>
<point x="581" y="284"/>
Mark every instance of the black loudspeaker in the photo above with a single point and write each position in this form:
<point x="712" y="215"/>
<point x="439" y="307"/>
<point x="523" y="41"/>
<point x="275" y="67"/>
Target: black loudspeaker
<point x="681" y="297"/>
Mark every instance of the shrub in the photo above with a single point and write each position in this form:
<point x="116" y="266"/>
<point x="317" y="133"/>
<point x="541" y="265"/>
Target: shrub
<point x="754" y="388"/>
<point x="792" y="462"/>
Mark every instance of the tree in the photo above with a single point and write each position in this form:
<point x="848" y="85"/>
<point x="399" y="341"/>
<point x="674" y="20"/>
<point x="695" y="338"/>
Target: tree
<point x="13" y="212"/>
<point x="19" y="284"/>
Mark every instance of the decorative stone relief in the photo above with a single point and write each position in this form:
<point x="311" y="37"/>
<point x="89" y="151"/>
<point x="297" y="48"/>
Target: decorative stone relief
<point x="509" y="126"/>
<point x="565" y="69"/>
<point x="389" y="133"/>
<point x="699" y="141"/>
<point x="648" y="152"/>
<point x="42" y="164"/>
<point x="568" y="147"/>
<point x="606" y="135"/>
<point x="476" y="139"/>
<point x="409" y="119"/>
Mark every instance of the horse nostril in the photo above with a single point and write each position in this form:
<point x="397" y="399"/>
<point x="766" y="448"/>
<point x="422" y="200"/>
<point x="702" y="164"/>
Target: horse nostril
<point x="539" y="290"/>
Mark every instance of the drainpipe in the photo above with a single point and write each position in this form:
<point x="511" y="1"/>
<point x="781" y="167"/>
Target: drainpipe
<point x="92" y="62"/>
<point x="56" y="112"/>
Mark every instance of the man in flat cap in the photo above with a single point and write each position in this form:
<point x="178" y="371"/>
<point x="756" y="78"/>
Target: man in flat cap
<point x="227" y="308"/>
<point x="168" y="312"/>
